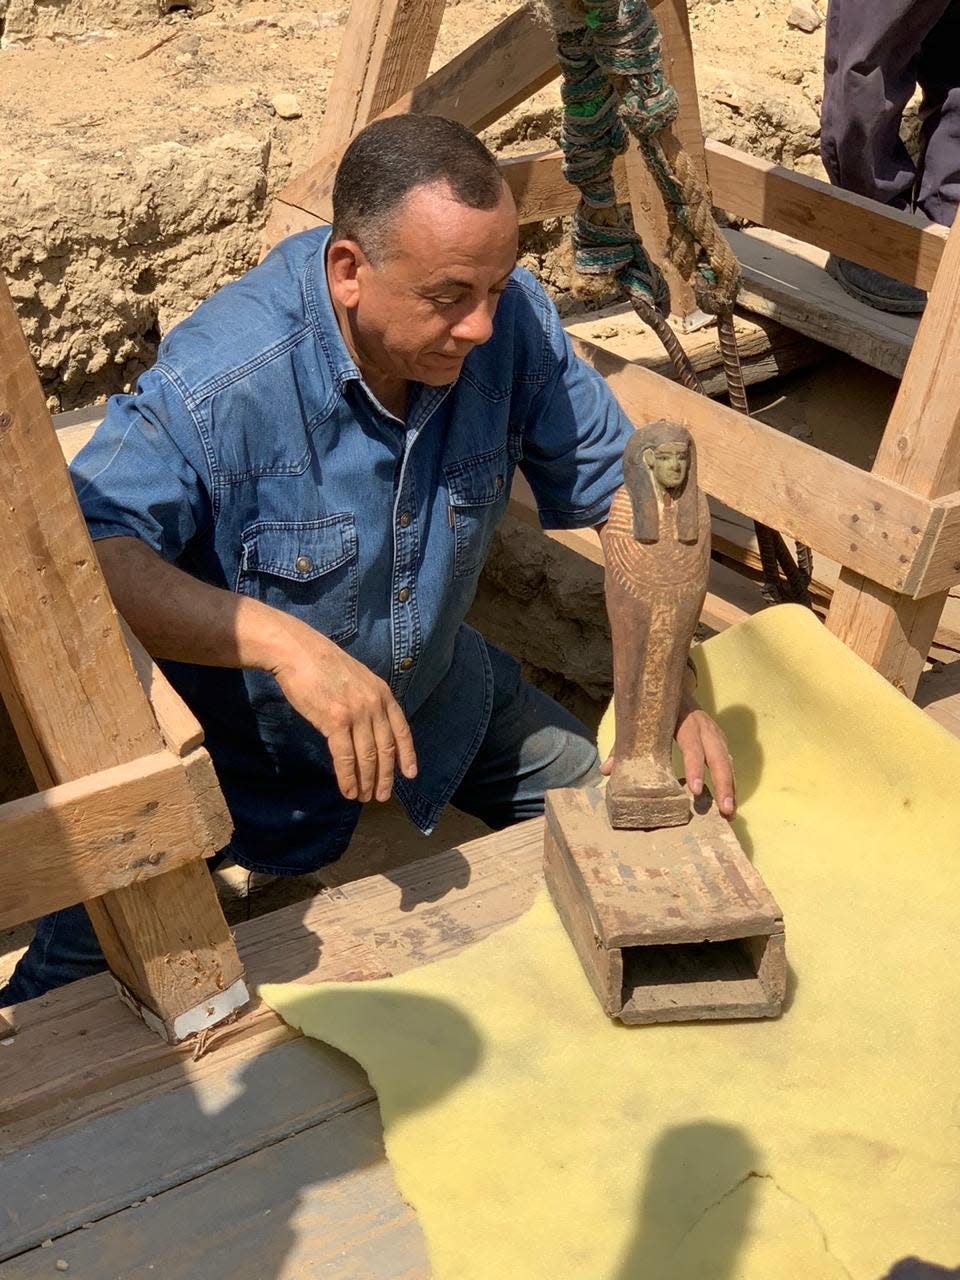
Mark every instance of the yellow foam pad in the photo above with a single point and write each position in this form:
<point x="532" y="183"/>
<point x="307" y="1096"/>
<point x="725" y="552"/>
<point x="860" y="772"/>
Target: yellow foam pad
<point x="536" y="1139"/>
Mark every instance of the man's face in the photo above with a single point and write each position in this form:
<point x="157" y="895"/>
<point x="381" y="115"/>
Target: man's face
<point x="429" y="298"/>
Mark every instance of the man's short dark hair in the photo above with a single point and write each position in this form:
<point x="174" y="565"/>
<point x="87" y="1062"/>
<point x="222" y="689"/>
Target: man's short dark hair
<point x="390" y="158"/>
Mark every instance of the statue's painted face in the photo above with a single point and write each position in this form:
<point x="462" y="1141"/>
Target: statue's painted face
<point x="669" y="463"/>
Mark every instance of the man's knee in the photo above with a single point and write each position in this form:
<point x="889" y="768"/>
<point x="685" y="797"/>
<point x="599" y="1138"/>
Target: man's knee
<point x="578" y="765"/>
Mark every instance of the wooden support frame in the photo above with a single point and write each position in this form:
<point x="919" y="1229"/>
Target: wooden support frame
<point x="646" y="203"/>
<point x="480" y="85"/>
<point x="920" y="448"/>
<point x="117" y="827"/>
<point x="117" y="808"/>
<point x="896" y="530"/>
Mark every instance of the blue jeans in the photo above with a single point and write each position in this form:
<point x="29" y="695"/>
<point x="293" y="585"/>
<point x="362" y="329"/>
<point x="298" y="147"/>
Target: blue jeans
<point x="532" y="745"/>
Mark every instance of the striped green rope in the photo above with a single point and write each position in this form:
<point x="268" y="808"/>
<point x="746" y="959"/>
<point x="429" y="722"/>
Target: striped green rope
<point x="613" y="77"/>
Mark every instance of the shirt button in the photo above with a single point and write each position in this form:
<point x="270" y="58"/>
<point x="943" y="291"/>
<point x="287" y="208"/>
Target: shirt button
<point x="404" y="519"/>
<point x="304" y="564"/>
<point x="403" y="595"/>
<point x="406" y="664"/>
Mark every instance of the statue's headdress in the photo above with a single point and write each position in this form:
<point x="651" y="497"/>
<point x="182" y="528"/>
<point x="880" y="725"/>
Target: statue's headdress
<point x="640" y="484"/>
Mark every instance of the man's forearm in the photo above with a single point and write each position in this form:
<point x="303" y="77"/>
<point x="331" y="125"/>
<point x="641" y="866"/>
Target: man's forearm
<point x="176" y="616"/>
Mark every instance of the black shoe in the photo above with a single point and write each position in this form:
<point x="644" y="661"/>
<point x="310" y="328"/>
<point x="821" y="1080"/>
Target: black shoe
<point x="875" y="289"/>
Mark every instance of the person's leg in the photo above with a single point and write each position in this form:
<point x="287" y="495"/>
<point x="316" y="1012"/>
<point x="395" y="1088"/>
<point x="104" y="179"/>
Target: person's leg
<point x="871" y="65"/>
<point x="871" y="60"/>
<point x="532" y="745"/>
<point x="64" y="948"/>
<point x="938" y="193"/>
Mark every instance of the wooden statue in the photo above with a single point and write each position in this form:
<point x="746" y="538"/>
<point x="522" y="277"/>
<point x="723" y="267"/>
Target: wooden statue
<point x="657" y="549"/>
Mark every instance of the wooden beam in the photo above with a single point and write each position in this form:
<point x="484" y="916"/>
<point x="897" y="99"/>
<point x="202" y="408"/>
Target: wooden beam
<point x="920" y="449"/>
<point x="785" y="279"/>
<point x="385" y="52"/>
<point x="82" y="706"/>
<point x="649" y="214"/>
<point x="792" y="204"/>
<point x="903" y="245"/>
<point x="540" y="189"/>
<point x="494" y="74"/>
<point x="856" y="517"/>
<point x="81" y="839"/>
<point x="942" y="570"/>
<point x="180" y="728"/>
<point x="734" y="541"/>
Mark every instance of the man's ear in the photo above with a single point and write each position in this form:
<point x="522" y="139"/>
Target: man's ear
<point x="345" y="259"/>
<point x="649" y="456"/>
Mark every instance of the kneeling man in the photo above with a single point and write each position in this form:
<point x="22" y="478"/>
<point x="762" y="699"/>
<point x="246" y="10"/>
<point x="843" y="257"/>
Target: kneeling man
<point x="293" y="510"/>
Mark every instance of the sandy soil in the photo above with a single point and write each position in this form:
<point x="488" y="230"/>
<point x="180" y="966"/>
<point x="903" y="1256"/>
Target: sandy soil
<point x="141" y="152"/>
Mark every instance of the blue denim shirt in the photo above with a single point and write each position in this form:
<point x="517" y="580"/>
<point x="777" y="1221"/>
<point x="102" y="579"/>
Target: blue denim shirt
<point x="254" y="456"/>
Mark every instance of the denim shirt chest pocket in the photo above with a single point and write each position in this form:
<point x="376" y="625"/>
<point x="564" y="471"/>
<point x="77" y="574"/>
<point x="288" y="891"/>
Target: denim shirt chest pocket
<point x="477" y="489"/>
<point x="307" y="568"/>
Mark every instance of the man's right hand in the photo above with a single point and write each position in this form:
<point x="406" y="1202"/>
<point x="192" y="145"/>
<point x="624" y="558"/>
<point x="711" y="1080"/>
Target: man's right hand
<point x="187" y="620"/>
<point x="366" y="731"/>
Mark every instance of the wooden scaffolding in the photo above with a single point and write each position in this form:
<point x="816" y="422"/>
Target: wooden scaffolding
<point x="264" y="1155"/>
<point x="128" y="804"/>
<point x="895" y="530"/>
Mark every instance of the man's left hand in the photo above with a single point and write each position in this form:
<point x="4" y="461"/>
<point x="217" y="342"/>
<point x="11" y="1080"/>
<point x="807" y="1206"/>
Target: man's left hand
<point x="703" y="746"/>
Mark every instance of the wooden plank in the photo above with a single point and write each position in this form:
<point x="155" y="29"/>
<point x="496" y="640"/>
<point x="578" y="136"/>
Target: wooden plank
<point x="921" y="449"/>
<point x="82" y="707"/>
<point x="942" y="570"/>
<point x="903" y="245"/>
<point x="58" y="635"/>
<point x="385" y="52"/>
<point x="785" y="279"/>
<point x="767" y="349"/>
<point x="82" y="1079"/>
<point x="200" y="1122"/>
<point x="477" y="87"/>
<point x="209" y="804"/>
<point x="179" y="727"/>
<point x="81" y="839"/>
<point x="735" y="541"/>
<point x="540" y="189"/>
<point x="856" y="517"/>
<point x="318" y="1204"/>
<point x="77" y="1054"/>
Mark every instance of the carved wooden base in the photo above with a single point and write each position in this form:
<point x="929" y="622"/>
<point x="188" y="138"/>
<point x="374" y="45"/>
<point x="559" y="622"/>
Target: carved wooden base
<point x="670" y="926"/>
<point x="642" y="797"/>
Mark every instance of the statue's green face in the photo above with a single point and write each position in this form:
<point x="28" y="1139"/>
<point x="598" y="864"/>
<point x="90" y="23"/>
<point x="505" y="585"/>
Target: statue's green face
<point x="669" y="463"/>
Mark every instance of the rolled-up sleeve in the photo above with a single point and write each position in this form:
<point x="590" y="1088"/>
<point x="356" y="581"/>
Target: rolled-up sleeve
<point x="574" y="435"/>
<point x="144" y="474"/>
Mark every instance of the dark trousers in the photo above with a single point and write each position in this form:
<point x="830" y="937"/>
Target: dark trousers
<point x="531" y="746"/>
<point x="877" y="53"/>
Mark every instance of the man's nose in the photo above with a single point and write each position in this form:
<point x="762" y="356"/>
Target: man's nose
<point x="476" y="326"/>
